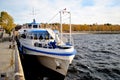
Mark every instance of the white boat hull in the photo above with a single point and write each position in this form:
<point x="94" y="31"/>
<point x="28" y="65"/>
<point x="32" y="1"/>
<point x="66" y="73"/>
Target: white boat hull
<point x="56" y="63"/>
<point x="50" y="63"/>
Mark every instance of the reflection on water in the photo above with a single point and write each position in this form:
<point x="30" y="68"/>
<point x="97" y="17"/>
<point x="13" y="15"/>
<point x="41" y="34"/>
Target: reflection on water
<point x="97" y="58"/>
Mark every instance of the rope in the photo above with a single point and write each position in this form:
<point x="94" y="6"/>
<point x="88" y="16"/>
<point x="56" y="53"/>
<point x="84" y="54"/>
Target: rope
<point x="53" y="17"/>
<point x="64" y="15"/>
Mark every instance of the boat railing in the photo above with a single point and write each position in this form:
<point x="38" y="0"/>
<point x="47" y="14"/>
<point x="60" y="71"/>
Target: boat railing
<point x="52" y="44"/>
<point x="45" y="44"/>
<point x="67" y="40"/>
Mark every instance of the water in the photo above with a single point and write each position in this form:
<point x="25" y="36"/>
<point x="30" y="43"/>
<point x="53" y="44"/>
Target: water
<point x="98" y="57"/>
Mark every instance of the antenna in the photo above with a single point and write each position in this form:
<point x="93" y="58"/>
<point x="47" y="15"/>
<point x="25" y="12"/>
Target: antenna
<point x="33" y="13"/>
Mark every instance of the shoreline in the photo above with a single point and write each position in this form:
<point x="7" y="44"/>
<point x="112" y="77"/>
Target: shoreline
<point x="95" y="32"/>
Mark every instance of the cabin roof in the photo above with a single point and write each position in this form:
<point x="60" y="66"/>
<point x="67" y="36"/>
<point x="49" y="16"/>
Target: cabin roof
<point x="38" y="31"/>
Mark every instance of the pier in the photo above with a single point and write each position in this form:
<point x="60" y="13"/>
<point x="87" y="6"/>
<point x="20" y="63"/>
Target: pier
<point x="14" y="67"/>
<point x="10" y="64"/>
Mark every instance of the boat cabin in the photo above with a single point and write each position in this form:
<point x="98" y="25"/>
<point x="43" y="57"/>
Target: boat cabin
<point x="37" y="34"/>
<point x="40" y="37"/>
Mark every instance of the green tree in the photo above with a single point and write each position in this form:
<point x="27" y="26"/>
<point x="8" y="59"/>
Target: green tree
<point x="6" y="21"/>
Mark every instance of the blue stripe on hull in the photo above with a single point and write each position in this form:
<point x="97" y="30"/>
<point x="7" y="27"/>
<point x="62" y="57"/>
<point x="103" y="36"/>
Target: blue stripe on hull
<point x="51" y="53"/>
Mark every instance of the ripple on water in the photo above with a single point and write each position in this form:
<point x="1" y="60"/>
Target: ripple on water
<point x="97" y="58"/>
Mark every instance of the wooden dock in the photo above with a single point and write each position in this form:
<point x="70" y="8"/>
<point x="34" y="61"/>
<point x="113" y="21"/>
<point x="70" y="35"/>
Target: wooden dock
<point x="10" y="64"/>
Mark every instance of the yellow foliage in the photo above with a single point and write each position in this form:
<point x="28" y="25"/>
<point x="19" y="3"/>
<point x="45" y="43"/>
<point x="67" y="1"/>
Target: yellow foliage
<point x="6" y="21"/>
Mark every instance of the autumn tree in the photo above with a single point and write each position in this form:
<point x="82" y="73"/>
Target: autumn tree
<point x="6" y="21"/>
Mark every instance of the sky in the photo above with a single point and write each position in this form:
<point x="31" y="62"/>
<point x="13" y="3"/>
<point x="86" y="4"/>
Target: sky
<point x="82" y="11"/>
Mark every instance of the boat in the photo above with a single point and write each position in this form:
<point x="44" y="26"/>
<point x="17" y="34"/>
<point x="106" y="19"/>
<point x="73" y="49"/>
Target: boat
<point x="47" y="45"/>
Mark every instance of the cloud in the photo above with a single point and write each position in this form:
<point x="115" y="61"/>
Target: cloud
<point x="101" y="12"/>
<point x="83" y="11"/>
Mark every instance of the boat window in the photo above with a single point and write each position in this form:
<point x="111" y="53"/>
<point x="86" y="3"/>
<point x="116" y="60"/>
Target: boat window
<point x="23" y="36"/>
<point x="40" y="37"/>
<point x="29" y="26"/>
<point x="28" y="36"/>
<point x="46" y="36"/>
<point x="35" y="36"/>
<point x="50" y="37"/>
<point x="35" y="26"/>
<point x="37" y="44"/>
<point x="31" y="37"/>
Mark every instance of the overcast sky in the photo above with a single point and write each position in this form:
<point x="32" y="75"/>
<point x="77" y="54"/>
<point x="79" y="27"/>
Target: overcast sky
<point x="82" y="11"/>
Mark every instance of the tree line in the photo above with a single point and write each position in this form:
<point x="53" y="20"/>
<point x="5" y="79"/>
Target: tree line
<point x="6" y="22"/>
<point x="84" y="27"/>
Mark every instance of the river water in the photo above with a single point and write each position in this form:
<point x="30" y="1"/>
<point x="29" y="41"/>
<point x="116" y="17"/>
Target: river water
<point x="97" y="58"/>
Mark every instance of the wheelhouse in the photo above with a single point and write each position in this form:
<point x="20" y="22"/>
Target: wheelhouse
<point x="41" y="34"/>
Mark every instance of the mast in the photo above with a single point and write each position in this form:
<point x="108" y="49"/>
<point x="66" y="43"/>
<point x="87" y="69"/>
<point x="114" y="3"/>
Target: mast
<point x="70" y="26"/>
<point x="62" y="12"/>
<point x="33" y="13"/>
<point x="60" y="25"/>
